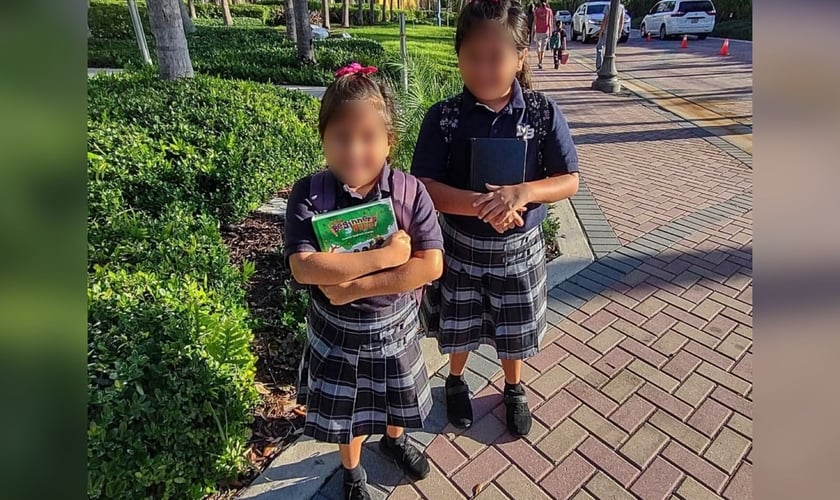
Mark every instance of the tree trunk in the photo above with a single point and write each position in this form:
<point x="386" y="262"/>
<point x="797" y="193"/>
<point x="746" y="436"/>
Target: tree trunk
<point x="325" y="12"/>
<point x="345" y="18"/>
<point x="226" y="13"/>
<point x="306" y="52"/>
<point x="360" y="13"/>
<point x="170" y="42"/>
<point x="372" y="12"/>
<point x="391" y="17"/>
<point x="192" y="9"/>
<point x="289" y="15"/>
<point x="189" y="27"/>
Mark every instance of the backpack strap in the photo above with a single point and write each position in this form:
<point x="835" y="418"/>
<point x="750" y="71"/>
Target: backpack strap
<point x="404" y="206"/>
<point x="324" y="183"/>
<point x="539" y="110"/>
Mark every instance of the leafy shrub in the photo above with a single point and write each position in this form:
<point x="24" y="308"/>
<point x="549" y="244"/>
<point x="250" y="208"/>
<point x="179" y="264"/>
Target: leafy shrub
<point x="170" y="369"/>
<point x="220" y="146"/>
<point x="175" y="243"/>
<point x="170" y="386"/>
<point x="110" y="19"/>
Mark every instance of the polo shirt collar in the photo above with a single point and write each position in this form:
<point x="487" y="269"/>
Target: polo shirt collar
<point x="383" y="187"/>
<point x="517" y="100"/>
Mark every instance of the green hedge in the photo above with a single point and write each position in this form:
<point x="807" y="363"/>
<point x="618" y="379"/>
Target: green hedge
<point x="170" y="371"/>
<point x="170" y="385"/>
<point x="221" y="146"/>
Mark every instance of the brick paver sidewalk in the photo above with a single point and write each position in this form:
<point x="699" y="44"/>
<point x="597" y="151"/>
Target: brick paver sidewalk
<point x="644" y="386"/>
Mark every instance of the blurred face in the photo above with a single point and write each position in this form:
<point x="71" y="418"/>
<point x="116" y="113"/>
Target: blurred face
<point x="356" y="143"/>
<point x="489" y="61"/>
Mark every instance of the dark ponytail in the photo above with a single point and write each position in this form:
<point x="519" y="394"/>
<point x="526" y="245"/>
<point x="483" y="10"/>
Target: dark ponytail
<point x="510" y="14"/>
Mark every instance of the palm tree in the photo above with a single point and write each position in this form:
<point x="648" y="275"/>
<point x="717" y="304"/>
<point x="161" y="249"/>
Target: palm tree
<point x="170" y="41"/>
<point x="289" y="15"/>
<point x="306" y="52"/>
<point x="345" y="18"/>
<point x="189" y="27"/>
<point x="226" y="13"/>
<point x="325" y="10"/>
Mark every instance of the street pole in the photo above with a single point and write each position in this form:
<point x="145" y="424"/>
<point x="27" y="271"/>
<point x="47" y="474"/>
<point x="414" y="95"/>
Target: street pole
<point x="403" y="52"/>
<point x="607" y="80"/>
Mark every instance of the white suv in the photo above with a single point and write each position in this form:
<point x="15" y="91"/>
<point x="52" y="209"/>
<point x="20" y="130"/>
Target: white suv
<point x="587" y="19"/>
<point x="680" y="17"/>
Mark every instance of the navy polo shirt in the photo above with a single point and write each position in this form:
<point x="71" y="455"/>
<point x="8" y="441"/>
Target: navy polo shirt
<point x="478" y="120"/>
<point x="423" y="228"/>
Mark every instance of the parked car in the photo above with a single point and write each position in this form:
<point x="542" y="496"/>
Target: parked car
<point x="563" y="16"/>
<point x="680" y="17"/>
<point x="587" y="19"/>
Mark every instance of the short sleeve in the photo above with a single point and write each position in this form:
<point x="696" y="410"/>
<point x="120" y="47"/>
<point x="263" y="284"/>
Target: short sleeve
<point x="299" y="237"/>
<point x="559" y="151"/>
<point x="430" y="152"/>
<point x="424" y="230"/>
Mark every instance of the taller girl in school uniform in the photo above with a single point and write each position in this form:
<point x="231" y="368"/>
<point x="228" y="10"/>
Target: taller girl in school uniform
<point x="493" y="288"/>
<point x="363" y="372"/>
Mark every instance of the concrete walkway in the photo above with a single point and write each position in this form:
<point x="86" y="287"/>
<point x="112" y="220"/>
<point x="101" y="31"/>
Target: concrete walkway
<point x="643" y="388"/>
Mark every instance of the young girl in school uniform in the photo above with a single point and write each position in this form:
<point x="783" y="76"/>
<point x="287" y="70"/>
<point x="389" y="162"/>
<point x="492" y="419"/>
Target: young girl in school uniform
<point x="493" y="288"/>
<point x="363" y="372"/>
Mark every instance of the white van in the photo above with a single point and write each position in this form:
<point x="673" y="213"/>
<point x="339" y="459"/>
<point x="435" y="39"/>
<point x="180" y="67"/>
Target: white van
<point x="679" y="17"/>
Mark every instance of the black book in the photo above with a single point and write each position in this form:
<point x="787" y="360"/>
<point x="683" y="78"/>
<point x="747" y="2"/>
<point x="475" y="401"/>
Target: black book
<point x="496" y="161"/>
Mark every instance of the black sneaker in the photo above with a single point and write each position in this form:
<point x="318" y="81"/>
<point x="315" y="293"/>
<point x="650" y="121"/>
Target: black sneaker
<point x="357" y="490"/>
<point x="411" y="460"/>
<point x="518" y="415"/>
<point x="458" y="406"/>
<point x="539" y="66"/>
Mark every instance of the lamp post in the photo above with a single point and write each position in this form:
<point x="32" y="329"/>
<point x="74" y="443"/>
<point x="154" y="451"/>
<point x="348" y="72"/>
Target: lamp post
<point x="607" y="80"/>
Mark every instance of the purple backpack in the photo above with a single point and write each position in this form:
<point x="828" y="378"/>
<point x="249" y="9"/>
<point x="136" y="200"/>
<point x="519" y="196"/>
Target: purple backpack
<point x="403" y="196"/>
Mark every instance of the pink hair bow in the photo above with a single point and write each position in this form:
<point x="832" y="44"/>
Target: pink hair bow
<point x="355" y="69"/>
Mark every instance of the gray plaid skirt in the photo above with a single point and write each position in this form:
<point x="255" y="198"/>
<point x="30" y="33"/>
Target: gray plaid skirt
<point x="362" y="372"/>
<point x="492" y="292"/>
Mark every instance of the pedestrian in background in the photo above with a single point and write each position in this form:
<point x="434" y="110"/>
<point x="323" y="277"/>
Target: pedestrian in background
<point x="602" y="34"/>
<point x="543" y="21"/>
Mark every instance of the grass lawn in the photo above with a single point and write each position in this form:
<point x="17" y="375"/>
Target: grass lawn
<point x="433" y="43"/>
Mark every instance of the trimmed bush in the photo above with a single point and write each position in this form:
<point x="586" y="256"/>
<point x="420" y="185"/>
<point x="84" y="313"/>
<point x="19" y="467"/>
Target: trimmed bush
<point x="170" y="386"/>
<point x="220" y="146"/>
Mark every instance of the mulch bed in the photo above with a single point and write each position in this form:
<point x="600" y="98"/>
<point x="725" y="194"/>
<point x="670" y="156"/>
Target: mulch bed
<point x="278" y="419"/>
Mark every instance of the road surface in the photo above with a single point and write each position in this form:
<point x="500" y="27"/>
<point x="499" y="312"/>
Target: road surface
<point x="696" y="83"/>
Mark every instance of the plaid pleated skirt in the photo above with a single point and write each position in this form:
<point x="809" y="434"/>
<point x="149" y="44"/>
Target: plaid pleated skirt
<point x="492" y="292"/>
<point x="363" y="371"/>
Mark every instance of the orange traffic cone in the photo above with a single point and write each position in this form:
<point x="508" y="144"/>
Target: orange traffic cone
<point x="648" y="37"/>
<point x="724" y="49"/>
<point x="684" y="44"/>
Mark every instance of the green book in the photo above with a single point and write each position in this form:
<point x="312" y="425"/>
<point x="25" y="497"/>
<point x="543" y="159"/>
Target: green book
<point x="357" y="228"/>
